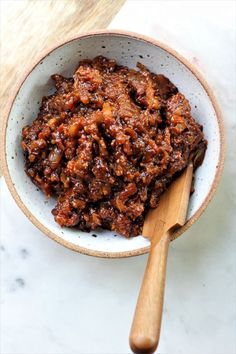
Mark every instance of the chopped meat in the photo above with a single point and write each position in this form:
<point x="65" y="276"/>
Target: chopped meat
<point x="107" y="144"/>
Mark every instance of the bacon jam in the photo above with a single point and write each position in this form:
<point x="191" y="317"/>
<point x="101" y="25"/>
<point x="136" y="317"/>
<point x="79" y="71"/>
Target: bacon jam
<point x="107" y="144"/>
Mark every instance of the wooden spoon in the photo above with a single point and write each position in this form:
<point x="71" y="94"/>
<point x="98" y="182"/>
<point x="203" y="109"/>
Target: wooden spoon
<point x="158" y="228"/>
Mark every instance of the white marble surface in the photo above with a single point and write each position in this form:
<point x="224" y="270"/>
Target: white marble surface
<point x="55" y="301"/>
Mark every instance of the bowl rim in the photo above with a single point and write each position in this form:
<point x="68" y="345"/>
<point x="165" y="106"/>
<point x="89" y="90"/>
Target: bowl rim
<point x="10" y="103"/>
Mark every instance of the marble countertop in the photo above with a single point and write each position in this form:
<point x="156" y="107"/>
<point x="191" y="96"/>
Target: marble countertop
<point x="55" y="301"/>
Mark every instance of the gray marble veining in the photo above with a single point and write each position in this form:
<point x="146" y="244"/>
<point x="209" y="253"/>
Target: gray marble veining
<point x="55" y="301"/>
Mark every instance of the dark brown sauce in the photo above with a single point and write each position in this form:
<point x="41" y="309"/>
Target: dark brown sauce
<point x="108" y="142"/>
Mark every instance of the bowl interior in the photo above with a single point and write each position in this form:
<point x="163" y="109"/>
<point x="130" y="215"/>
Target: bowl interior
<point x="127" y="50"/>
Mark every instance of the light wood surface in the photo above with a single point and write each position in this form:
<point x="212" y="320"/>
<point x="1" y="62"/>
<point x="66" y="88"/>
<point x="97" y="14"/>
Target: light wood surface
<point x="28" y="27"/>
<point x="158" y="226"/>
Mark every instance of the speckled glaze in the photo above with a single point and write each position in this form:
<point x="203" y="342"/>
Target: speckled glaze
<point x="127" y="49"/>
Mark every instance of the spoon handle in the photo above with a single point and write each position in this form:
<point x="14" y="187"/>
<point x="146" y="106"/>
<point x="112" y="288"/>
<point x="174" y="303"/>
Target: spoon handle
<point x="145" y="330"/>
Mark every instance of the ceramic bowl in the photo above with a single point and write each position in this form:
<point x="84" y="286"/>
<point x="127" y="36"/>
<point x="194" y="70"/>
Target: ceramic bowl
<point x="128" y="49"/>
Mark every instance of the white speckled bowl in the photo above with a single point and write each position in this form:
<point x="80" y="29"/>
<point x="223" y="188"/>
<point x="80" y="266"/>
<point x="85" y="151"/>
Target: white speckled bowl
<point x="127" y="49"/>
